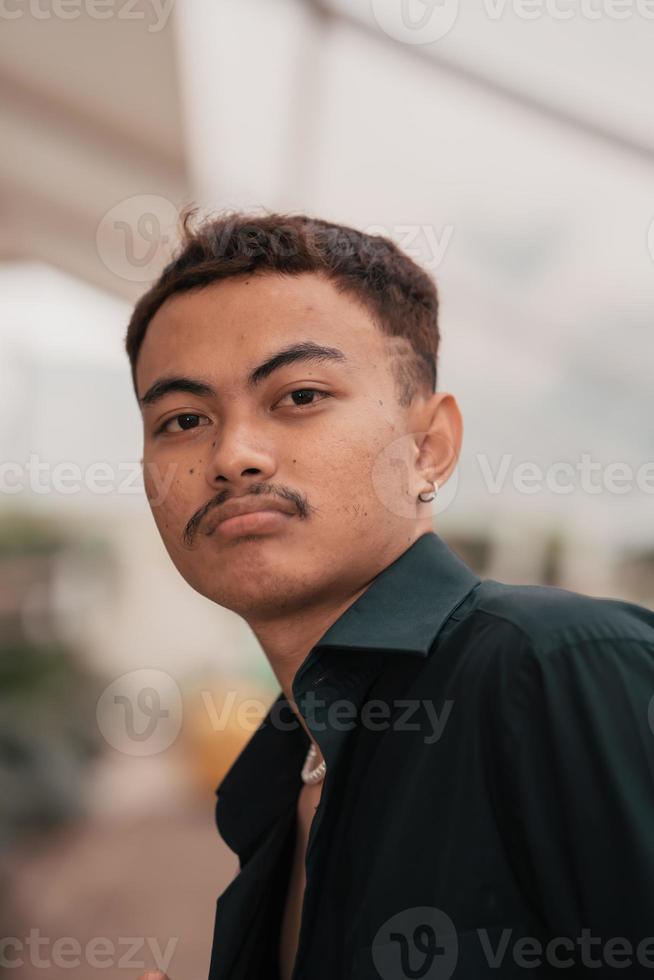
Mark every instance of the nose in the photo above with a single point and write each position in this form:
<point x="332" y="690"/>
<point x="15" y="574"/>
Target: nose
<point x="238" y="457"/>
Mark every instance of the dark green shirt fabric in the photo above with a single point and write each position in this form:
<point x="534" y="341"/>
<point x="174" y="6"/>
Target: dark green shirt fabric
<point x="488" y="808"/>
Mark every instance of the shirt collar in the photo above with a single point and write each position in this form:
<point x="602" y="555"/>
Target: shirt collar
<point x="401" y="613"/>
<point x="404" y="607"/>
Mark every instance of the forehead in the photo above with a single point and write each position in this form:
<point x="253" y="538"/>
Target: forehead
<point x="225" y="328"/>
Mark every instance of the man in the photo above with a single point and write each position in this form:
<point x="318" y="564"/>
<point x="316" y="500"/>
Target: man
<point x="456" y="778"/>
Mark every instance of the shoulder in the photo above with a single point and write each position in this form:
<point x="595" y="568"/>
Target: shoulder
<point x="548" y="618"/>
<point x="565" y="694"/>
<point x="517" y="642"/>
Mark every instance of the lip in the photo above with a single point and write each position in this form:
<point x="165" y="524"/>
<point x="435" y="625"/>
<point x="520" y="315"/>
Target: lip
<point x="246" y="516"/>
<point x="255" y="522"/>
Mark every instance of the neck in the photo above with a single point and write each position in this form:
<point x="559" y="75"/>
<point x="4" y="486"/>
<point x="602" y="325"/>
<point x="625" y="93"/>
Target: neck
<point x="288" y="642"/>
<point x="288" y="639"/>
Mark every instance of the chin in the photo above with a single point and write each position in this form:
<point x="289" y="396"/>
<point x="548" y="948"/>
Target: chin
<point x="238" y="586"/>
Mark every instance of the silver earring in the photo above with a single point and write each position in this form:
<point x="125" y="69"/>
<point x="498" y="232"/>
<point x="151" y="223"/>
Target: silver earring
<point x="426" y="501"/>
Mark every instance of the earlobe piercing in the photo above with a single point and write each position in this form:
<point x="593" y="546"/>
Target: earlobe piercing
<point x="426" y="501"/>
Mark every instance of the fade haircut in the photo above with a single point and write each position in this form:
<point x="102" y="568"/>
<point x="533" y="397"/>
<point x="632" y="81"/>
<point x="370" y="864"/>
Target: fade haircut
<point x="399" y="295"/>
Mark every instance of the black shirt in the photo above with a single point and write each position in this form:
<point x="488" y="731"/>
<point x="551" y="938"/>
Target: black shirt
<point x="488" y="807"/>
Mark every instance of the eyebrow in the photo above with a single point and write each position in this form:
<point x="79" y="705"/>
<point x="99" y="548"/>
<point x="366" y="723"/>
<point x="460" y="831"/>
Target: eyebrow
<point x="304" y="351"/>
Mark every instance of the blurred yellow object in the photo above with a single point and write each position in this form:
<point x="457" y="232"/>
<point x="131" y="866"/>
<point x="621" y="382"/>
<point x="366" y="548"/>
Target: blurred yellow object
<point x="219" y="719"/>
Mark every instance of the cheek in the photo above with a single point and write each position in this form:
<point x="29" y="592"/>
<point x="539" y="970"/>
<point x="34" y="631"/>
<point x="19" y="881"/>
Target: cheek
<point x="380" y="458"/>
<point x="363" y="468"/>
<point x="166" y="492"/>
<point x="393" y="477"/>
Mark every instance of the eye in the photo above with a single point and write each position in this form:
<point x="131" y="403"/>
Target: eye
<point x="184" y="421"/>
<point x="305" y="396"/>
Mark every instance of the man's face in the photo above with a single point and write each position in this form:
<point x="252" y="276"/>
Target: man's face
<point x="309" y="435"/>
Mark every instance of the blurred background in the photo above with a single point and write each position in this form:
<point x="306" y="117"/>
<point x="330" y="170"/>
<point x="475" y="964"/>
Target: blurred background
<point x="508" y="146"/>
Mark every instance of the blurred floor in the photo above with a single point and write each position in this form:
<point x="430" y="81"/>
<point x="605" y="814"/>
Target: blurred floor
<point x="155" y="878"/>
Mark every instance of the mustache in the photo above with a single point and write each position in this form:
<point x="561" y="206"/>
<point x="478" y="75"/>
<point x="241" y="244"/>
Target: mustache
<point x="301" y="504"/>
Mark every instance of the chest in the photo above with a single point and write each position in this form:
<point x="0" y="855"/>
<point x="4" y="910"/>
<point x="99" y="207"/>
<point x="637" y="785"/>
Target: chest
<point x="308" y="800"/>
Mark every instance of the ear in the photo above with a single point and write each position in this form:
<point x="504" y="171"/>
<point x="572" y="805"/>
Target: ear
<point x="438" y="427"/>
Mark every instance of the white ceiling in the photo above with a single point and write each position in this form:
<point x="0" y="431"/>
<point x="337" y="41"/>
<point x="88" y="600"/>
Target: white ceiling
<point x="537" y="184"/>
<point x="90" y="117"/>
<point x="590" y="60"/>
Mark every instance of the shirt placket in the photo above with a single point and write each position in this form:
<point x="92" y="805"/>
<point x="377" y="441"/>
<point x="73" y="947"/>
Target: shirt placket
<point x="316" y="689"/>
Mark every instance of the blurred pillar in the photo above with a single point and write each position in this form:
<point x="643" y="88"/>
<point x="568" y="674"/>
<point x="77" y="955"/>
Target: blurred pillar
<point x="247" y="71"/>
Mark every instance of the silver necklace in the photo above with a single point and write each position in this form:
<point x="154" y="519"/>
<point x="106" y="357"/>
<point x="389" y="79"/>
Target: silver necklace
<point x="309" y="774"/>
